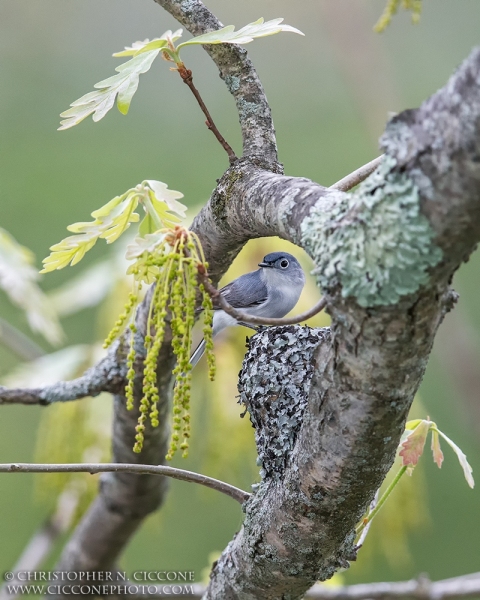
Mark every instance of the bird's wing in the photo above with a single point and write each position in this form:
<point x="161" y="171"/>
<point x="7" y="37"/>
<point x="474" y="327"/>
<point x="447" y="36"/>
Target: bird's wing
<point x="246" y="291"/>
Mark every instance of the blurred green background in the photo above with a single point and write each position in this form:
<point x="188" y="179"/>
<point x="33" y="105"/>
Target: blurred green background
<point x="331" y="93"/>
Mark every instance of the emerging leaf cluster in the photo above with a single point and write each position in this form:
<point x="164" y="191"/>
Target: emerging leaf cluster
<point x="410" y="450"/>
<point x="414" y="438"/>
<point x="114" y="218"/>
<point x="123" y="86"/>
<point x="415" y="6"/>
<point x="169" y="257"/>
<point x="171" y="260"/>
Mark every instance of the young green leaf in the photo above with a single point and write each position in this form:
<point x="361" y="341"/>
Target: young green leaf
<point x="462" y="458"/>
<point x="147" y="226"/>
<point x="436" y="450"/>
<point x="157" y="43"/>
<point x="110" y="222"/>
<point x="228" y="35"/>
<point x="412" y="446"/>
<point x="161" y="204"/>
<point x="144" y="244"/>
<point x="114" y="218"/>
<point x="121" y="87"/>
<point x="18" y="278"/>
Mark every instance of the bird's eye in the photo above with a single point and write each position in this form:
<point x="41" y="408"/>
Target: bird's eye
<point x="284" y="263"/>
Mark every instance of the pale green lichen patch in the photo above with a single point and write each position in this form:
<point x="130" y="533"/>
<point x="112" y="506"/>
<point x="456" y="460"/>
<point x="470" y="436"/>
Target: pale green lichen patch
<point x="233" y="83"/>
<point x="375" y="243"/>
<point x="247" y="109"/>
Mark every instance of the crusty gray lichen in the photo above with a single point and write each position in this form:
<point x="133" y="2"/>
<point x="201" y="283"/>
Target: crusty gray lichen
<point x="375" y="243"/>
<point x="274" y="383"/>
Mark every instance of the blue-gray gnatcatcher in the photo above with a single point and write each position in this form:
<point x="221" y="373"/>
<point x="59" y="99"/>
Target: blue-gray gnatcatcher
<point x="271" y="291"/>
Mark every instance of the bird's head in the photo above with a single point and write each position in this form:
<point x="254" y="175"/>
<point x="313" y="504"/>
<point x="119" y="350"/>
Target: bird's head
<point x="284" y="265"/>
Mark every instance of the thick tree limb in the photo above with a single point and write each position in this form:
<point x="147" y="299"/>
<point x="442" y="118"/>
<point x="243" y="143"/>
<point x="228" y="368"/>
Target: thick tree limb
<point x="181" y="474"/>
<point x="299" y="526"/>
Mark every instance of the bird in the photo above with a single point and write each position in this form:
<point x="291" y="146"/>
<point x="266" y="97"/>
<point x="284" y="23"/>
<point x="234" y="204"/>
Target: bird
<point x="270" y="291"/>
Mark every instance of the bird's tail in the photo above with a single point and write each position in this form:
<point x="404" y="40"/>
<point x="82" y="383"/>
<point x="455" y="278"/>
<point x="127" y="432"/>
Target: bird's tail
<point x="197" y="353"/>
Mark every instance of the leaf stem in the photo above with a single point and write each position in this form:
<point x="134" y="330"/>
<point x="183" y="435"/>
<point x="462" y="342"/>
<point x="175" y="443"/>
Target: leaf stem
<point x="381" y="502"/>
<point x="186" y="75"/>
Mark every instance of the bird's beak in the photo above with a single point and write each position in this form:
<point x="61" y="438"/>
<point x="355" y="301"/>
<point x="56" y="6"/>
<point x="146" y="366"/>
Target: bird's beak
<point x="265" y="265"/>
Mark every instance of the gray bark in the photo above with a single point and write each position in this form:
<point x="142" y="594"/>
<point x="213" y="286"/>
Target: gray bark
<point x="385" y="255"/>
<point x="299" y="528"/>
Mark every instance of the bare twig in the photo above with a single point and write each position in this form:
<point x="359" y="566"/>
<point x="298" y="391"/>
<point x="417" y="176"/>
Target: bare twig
<point x="18" y="342"/>
<point x="220" y="486"/>
<point x="242" y="316"/>
<point x="465" y="586"/>
<point x="187" y="77"/>
<point x="350" y="181"/>
<point x="457" y="587"/>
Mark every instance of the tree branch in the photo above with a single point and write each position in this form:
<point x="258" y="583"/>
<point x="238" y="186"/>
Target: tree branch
<point x="418" y="216"/>
<point x="385" y="255"/>
<point x="237" y="71"/>
<point x="108" y="375"/>
<point x="181" y="474"/>
<point x="466" y="586"/>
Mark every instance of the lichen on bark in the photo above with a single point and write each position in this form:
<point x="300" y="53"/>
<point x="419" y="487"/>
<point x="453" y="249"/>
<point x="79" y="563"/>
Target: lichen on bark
<point x="375" y="243"/>
<point x="274" y="384"/>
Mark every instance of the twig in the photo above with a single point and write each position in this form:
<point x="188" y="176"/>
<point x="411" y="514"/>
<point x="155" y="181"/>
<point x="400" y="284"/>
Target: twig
<point x="240" y="315"/>
<point x="350" y="181"/>
<point x="18" y="342"/>
<point x="457" y="587"/>
<point x="187" y="77"/>
<point x="220" y="486"/>
<point x="465" y="586"/>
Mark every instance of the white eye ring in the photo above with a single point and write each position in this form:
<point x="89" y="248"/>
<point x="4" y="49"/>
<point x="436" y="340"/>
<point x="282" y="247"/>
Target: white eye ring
<point x="284" y="263"/>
